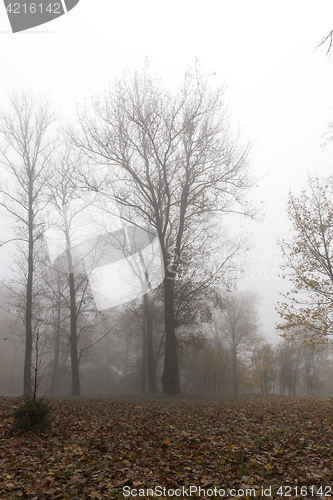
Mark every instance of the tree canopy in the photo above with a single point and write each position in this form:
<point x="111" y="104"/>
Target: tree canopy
<point x="174" y="166"/>
<point x="307" y="310"/>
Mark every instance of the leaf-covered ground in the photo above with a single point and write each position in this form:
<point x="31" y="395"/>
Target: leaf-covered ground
<point x="236" y="445"/>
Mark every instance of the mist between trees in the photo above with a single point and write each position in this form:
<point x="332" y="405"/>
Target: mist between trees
<point x="124" y="278"/>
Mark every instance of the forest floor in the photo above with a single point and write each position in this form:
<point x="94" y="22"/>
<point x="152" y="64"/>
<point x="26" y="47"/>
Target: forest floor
<point x="181" y="447"/>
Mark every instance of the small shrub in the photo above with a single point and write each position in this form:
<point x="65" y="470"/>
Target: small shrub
<point x="33" y="415"/>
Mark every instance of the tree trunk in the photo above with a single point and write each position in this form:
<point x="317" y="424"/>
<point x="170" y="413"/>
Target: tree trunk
<point x="28" y="316"/>
<point x="144" y="356"/>
<point x="151" y="365"/>
<point x="28" y="342"/>
<point x="234" y="374"/>
<point x="108" y="365"/>
<point x="126" y="366"/>
<point x="56" y="347"/>
<point x="76" y="390"/>
<point x="170" y="377"/>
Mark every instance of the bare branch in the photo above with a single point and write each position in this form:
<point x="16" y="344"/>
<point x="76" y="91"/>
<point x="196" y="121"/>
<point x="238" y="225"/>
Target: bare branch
<point x="329" y="40"/>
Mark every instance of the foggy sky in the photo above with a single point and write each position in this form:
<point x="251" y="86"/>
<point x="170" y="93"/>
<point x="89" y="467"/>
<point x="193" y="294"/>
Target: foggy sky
<point x="279" y="87"/>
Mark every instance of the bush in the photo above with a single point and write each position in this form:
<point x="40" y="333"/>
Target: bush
<point x="33" y="415"/>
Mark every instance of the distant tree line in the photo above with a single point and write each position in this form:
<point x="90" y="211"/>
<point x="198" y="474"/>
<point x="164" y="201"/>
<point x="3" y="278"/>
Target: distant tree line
<point x="207" y="364"/>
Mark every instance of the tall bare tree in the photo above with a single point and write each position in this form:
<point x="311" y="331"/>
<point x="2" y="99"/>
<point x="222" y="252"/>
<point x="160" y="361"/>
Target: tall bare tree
<point x="66" y="206"/>
<point x="63" y="190"/>
<point x="25" y="151"/>
<point x="174" y="166"/>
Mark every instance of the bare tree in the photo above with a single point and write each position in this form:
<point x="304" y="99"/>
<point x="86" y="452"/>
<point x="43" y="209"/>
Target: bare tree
<point x="63" y="190"/>
<point x="25" y="151"/>
<point x="262" y="365"/>
<point x="289" y="356"/>
<point x="71" y="256"/>
<point x="311" y="370"/>
<point x="56" y="287"/>
<point x="174" y="168"/>
<point x="239" y="327"/>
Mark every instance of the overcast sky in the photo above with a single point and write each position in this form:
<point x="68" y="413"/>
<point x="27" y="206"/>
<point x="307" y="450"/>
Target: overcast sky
<point x="280" y="90"/>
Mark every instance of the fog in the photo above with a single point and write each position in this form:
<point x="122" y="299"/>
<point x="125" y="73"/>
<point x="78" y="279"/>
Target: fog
<point x="279" y="94"/>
